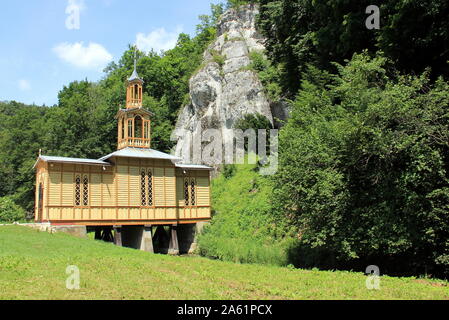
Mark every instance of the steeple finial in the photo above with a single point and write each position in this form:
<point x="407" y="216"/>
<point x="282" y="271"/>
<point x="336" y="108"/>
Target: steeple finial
<point x="135" y="76"/>
<point x="135" y="58"/>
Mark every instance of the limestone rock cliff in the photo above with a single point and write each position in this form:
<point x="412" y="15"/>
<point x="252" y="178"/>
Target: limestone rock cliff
<point x="225" y="89"/>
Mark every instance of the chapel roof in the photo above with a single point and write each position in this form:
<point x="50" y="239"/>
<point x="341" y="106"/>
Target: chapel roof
<point x="71" y="160"/>
<point x="141" y="153"/>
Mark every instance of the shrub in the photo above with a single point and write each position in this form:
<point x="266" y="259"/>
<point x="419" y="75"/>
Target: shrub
<point x="268" y="74"/>
<point x="218" y="58"/>
<point x="9" y="211"/>
<point x="363" y="169"/>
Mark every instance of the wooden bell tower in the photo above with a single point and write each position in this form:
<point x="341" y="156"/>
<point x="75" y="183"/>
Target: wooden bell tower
<point x="134" y="89"/>
<point x="134" y="121"/>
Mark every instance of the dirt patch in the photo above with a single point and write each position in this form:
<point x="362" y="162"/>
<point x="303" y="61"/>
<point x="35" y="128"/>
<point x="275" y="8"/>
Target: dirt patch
<point x="431" y="283"/>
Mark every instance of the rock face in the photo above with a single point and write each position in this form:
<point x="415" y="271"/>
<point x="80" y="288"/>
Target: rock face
<point x="224" y="90"/>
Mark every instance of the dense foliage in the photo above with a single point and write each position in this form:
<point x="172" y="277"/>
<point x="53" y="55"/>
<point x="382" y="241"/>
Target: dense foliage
<point x="364" y="169"/>
<point x="413" y="34"/>
<point x="22" y="130"/>
<point x="10" y="211"/>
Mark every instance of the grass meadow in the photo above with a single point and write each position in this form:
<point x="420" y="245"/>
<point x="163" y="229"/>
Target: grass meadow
<point x="33" y="266"/>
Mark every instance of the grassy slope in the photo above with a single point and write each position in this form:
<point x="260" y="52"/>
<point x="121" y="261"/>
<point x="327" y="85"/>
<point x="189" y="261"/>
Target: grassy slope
<point x="33" y="264"/>
<point x="243" y="228"/>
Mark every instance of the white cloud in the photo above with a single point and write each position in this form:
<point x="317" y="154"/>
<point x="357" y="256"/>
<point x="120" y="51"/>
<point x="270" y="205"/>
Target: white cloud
<point x="94" y="56"/>
<point x="24" y="85"/>
<point x="159" y="39"/>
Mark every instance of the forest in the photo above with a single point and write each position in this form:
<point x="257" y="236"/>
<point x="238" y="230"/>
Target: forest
<point x="363" y="159"/>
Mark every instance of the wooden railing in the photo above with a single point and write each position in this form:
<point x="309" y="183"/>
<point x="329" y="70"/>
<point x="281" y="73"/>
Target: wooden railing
<point x="134" y="103"/>
<point x="135" y="143"/>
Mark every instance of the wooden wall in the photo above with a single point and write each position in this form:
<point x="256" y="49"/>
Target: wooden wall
<point x="41" y="177"/>
<point x="115" y="193"/>
<point x="202" y="196"/>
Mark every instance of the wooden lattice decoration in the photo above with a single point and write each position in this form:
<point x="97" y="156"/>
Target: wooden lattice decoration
<point x="86" y="191"/>
<point x="143" y="195"/>
<point x="192" y="192"/>
<point x="150" y="188"/>
<point x="77" y="191"/>
<point x="186" y="192"/>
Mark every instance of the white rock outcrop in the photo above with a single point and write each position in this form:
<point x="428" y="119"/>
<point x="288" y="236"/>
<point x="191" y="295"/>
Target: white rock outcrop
<point x="224" y="89"/>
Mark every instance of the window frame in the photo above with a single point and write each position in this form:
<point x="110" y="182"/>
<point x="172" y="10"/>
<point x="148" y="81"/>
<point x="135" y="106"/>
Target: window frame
<point x="86" y="191"/>
<point x="77" y="190"/>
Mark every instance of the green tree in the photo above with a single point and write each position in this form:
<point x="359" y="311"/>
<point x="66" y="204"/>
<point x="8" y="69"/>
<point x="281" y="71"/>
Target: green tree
<point x="9" y="211"/>
<point x="20" y="139"/>
<point x="413" y="34"/>
<point x="363" y="169"/>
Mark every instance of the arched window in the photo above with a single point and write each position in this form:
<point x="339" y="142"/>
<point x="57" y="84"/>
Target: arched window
<point x="150" y="188"/>
<point x="143" y="196"/>
<point x="192" y="192"/>
<point x="146" y="134"/>
<point x="186" y="192"/>
<point x="138" y="127"/>
<point x="86" y="190"/>
<point x="77" y="190"/>
<point x="136" y="91"/>
<point x="130" y="128"/>
<point x="40" y="204"/>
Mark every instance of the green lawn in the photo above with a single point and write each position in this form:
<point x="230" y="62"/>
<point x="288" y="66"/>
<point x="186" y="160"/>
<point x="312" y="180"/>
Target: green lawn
<point x="33" y="265"/>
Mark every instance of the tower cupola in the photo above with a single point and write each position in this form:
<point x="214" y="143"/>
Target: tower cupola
<point x="134" y="121"/>
<point x="134" y="90"/>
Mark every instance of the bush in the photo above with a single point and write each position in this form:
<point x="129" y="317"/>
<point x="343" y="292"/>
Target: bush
<point x="218" y="58"/>
<point x="268" y="74"/>
<point x="363" y="169"/>
<point x="255" y="122"/>
<point x="229" y="171"/>
<point x="240" y="250"/>
<point x="9" y="211"/>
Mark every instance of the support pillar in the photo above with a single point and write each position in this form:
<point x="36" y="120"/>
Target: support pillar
<point x="118" y="235"/>
<point x="147" y="239"/>
<point x="173" y="248"/>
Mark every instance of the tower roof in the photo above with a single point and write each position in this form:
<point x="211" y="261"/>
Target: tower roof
<point x="139" y="110"/>
<point x="134" y="75"/>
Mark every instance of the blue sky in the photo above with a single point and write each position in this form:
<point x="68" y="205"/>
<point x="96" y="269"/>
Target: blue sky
<point x="44" y="46"/>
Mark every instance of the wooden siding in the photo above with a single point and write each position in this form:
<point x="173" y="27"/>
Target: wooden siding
<point x="41" y="177"/>
<point x="115" y="193"/>
<point x="201" y="209"/>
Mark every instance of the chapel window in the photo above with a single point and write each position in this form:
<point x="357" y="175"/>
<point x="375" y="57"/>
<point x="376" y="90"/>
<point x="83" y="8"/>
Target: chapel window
<point x="86" y="190"/>
<point x="150" y="188"/>
<point x="77" y="190"/>
<point x="143" y="196"/>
